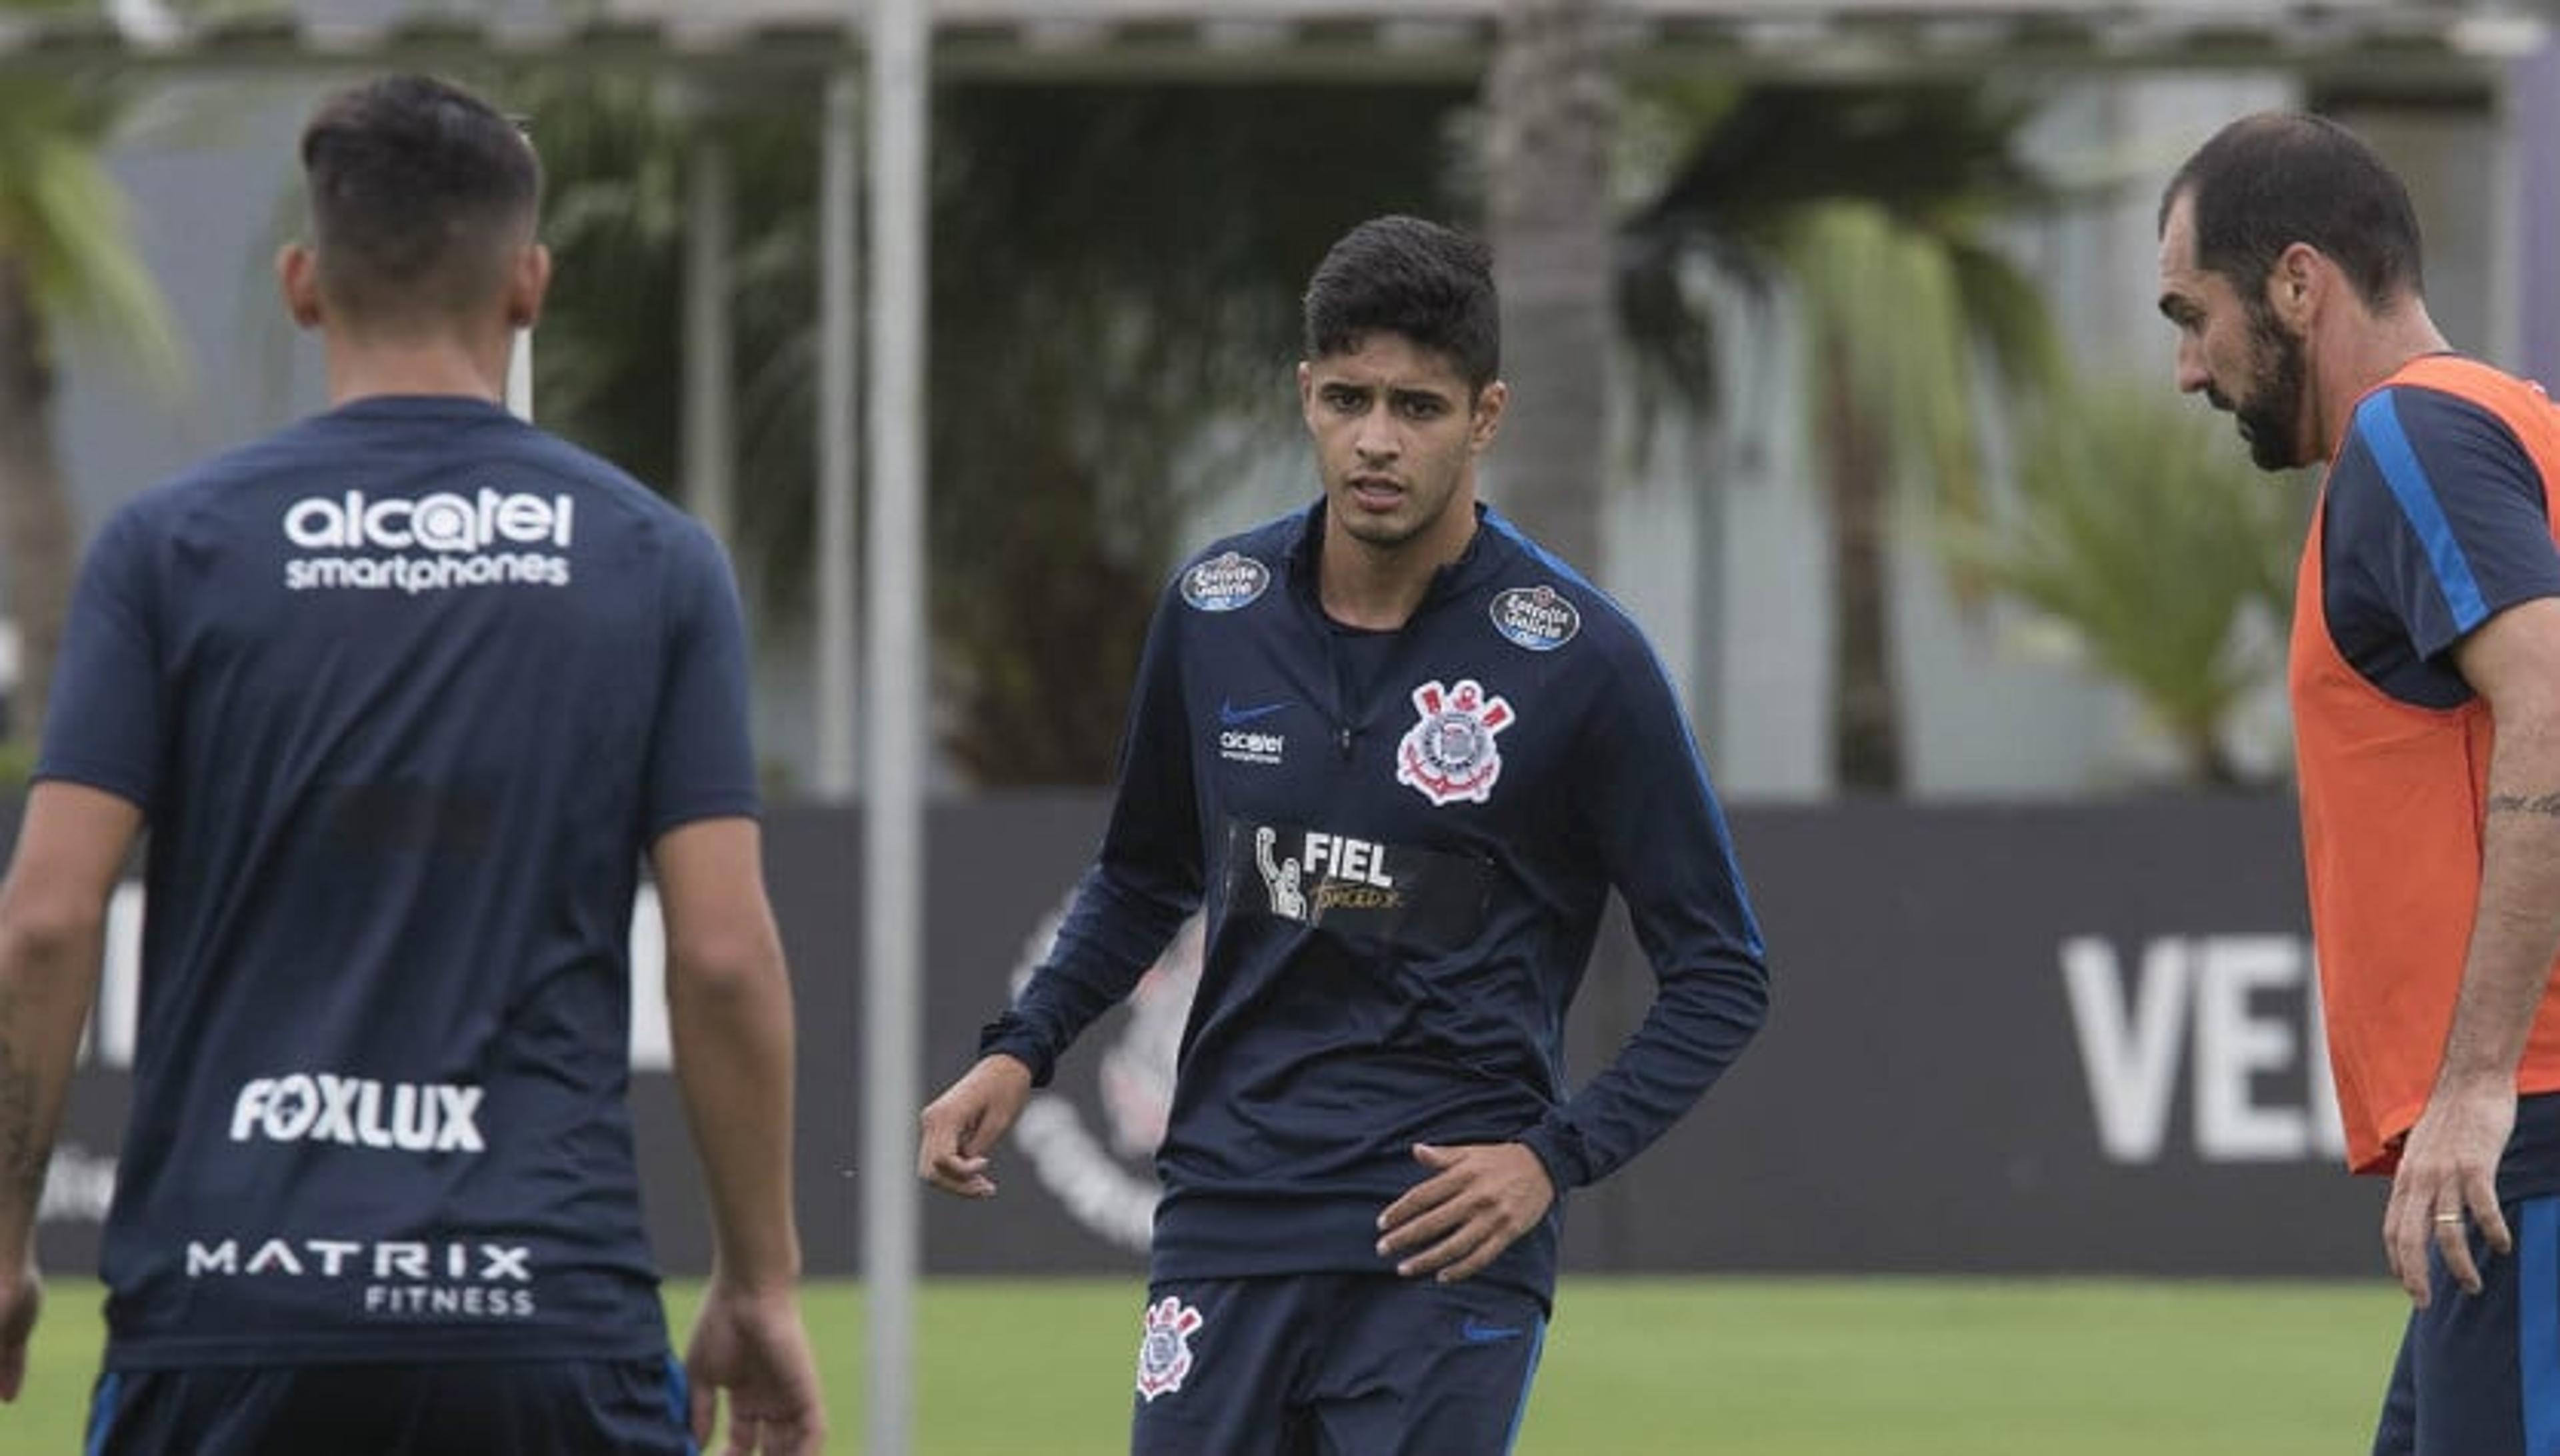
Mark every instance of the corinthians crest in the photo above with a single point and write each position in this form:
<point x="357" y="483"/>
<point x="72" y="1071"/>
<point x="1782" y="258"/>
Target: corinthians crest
<point x="1450" y="755"/>
<point x="1165" y="1350"/>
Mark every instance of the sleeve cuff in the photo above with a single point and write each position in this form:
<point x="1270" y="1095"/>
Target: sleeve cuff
<point x="1559" y="1147"/>
<point x="1009" y="1035"/>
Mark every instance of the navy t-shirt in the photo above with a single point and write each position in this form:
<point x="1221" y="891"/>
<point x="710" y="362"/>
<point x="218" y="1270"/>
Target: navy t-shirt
<point x="404" y="690"/>
<point x="2435" y="523"/>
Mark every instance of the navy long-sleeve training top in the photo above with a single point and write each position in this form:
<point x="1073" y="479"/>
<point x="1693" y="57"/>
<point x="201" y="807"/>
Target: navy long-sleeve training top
<point x="1404" y="842"/>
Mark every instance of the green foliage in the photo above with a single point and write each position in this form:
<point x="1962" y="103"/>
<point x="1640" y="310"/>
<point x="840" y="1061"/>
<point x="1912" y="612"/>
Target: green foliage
<point x="1871" y="209"/>
<point x="16" y="763"/>
<point x="1902" y="315"/>
<point x="2141" y="530"/>
<point x="65" y="220"/>
<point x="608" y="363"/>
<point x="1115" y="276"/>
<point x="66" y="258"/>
<point x="1115" y="305"/>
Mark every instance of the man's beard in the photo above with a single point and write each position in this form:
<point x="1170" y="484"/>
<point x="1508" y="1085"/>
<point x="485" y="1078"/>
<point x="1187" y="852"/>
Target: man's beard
<point x="2271" y="416"/>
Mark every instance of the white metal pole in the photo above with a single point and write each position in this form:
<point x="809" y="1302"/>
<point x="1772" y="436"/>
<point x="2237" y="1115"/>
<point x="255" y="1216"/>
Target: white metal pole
<point x="520" y="359"/>
<point x="838" y="361"/>
<point x="710" y="434"/>
<point x="520" y="377"/>
<point x="893" y="818"/>
<point x="2533" y="100"/>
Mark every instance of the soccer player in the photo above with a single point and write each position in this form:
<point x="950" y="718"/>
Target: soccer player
<point x="1403" y="755"/>
<point x="2426" y="695"/>
<point x="404" y="693"/>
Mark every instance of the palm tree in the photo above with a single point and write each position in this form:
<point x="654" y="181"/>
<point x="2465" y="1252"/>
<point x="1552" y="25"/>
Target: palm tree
<point x="1115" y="282"/>
<point x="1116" y="309"/>
<point x="1873" y="205"/>
<point x="1550" y="103"/>
<point x="66" y="257"/>
<point x="2141" y="531"/>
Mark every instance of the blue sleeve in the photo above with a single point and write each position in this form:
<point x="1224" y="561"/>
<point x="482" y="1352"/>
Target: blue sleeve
<point x="1663" y="838"/>
<point x="2438" y="507"/>
<point x="702" y="758"/>
<point x="1143" y="884"/>
<point x="108" y="711"/>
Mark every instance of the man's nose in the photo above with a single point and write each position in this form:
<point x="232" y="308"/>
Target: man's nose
<point x="2193" y="376"/>
<point x="1376" y="439"/>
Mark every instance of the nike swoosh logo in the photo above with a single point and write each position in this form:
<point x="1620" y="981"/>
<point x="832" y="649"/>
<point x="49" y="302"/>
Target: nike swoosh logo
<point x="1480" y="1334"/>
<point x="1231" y="715"/>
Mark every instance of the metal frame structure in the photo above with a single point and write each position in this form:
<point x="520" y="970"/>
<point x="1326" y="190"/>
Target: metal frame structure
<point x="1339" y="39"/>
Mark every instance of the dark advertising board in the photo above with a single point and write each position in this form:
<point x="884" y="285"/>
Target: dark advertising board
<point x="2027" y="1038"/>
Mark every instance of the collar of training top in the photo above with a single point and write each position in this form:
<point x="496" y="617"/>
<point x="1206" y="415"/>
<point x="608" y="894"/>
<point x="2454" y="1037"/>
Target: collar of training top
<point x="1488" y="552"/>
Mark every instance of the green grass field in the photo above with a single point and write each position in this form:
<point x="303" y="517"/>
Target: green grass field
<point x="1712" y="1367"/>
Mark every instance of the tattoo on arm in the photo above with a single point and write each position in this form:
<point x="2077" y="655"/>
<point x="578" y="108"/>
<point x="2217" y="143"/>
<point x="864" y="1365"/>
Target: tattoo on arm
<point x="2545" y="805"/>
<point x="24" y="1154"/>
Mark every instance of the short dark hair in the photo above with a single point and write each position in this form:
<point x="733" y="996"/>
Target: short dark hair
<point x="419" y="193"/>
<point x="2267" y="182"/>
<point x="1403" y="276"/>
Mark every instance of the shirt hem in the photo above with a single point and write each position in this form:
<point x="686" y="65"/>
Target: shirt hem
<point x="183" y="1352"/>
<point x="1230" y="1238"/>
<point x="742" y="808"/>
<point x="105" y="780"/>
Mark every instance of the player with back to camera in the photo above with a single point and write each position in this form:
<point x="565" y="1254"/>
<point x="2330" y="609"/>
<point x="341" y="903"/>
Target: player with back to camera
<point x="404" y="693"/>
<point x="1402" y="755"/>
<point x="2425" y="680"/>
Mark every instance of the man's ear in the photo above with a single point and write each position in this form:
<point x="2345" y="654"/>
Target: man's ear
<point x="297" y="280"/>
<point x="526" y="288"/>
<point x="2297" y="283"/>
<point x="1486" y="420"/>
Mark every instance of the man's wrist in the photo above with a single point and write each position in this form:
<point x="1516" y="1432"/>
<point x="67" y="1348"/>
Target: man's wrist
<point x="2469" y="1082"/>
<point x="781" y="1282"/>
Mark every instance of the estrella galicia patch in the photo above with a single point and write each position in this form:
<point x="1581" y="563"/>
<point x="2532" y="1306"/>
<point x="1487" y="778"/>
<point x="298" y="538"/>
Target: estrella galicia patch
<point x="1164" y="1349"/>
<point x="1540" y="617"/>
<point x="1226" y="582"/>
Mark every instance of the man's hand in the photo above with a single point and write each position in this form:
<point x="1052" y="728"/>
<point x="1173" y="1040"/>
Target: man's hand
<point x="752" y="1345"/>
<point x="1477" y="1201"/>
<point x="960" y="1127"/>
<point x="22" y="1298"/>
<point x="2448" y="1183"/>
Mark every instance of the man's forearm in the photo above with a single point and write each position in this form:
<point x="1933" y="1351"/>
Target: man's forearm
<point x="47" y="982"/>
<point x="733" y="1060"/>
<point x="2515" y="932"/>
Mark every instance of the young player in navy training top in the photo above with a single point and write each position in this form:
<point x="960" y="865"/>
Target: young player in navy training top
<point x="1402" y="755"/>
<point x="404" y="693"/>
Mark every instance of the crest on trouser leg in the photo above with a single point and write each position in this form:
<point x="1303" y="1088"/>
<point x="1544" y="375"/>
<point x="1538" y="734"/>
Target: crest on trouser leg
<point x="1164" y="1350"/>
